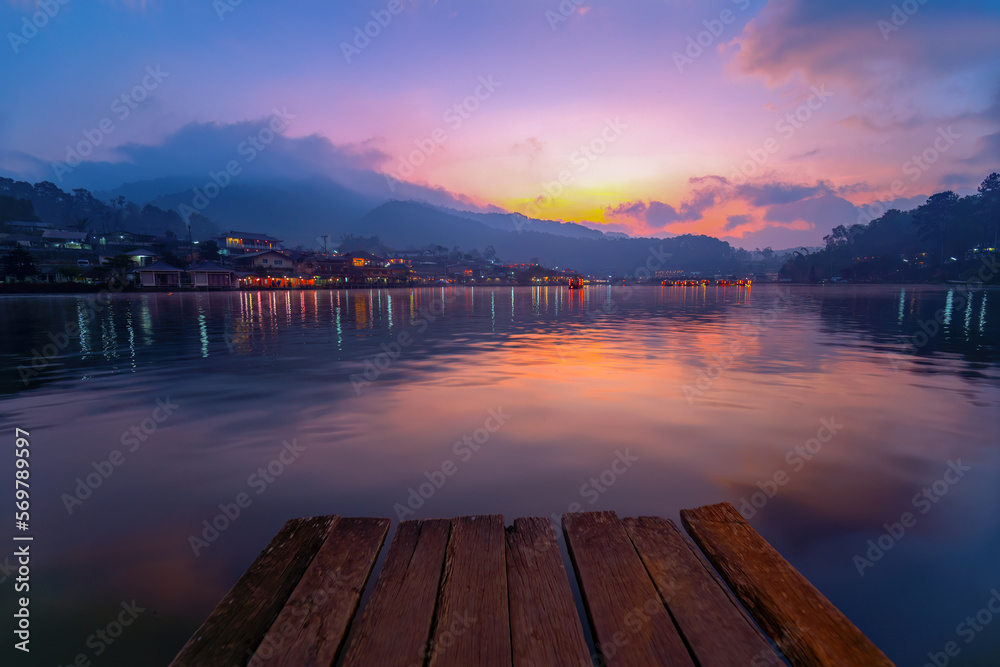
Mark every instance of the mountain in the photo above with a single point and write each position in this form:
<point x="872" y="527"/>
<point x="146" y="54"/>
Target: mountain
<point x="412" y="225"/>
<point x="516" y="222"/>
<point x="300" y="211"/>
<point x="297" y="211"/>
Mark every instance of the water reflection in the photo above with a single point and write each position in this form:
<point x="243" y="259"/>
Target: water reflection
<point x="378" y="385"/>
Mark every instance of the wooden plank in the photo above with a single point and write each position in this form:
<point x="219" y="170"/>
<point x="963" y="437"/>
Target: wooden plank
<point x="630" y="623"/>
<point x="714" y="628"/>
<point x="545" y="627"/>
<point x="806" y="626"/>
<point x="234" y="629"/>
<point x="396" y="626"/>
<point x="312" y="626"/>
<point x="472" y="623"/>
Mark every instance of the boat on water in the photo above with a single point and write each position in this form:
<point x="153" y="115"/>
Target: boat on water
<point x="576" y="283"/>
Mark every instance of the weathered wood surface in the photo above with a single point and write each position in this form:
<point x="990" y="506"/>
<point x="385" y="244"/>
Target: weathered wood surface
<point x="712" y="625"/>
<point x="395" y="629"/>
<point x="545" y="628"/>
<point x="312" y="626"/>
<point x="807" y="627"/>
<point x="630" y="623"/>
<point x="465" y="592"/>
<point x="472" y="624"/>
<point x="237" y="625"/>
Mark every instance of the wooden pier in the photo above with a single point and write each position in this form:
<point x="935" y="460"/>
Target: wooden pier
<point x="466" y="592"/>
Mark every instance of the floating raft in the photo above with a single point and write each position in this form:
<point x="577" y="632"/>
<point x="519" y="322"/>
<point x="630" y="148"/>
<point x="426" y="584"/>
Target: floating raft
<point x="466" y="592"/>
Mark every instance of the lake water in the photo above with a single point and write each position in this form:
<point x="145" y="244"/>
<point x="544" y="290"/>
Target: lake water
<point x="711" y="394"/>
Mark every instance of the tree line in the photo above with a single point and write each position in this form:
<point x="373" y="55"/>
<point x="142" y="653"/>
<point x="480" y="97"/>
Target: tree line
<point x="944" y="238"/>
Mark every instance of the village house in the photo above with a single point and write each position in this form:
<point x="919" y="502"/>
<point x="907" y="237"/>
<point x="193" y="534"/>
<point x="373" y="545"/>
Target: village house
<point x="209" y="275"/>
<point x="242" y="243"/>
<point x="271" y="261"/>
<point x="159" y="274"/>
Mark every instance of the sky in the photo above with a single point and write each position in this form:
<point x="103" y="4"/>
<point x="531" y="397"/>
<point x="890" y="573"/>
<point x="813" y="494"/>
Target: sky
<point x="765" y="123"/>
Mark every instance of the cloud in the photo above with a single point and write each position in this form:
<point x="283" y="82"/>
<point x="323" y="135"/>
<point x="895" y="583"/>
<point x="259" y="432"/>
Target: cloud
<point x="987" y="150"/>
<point x="767" y="194"/>
<point x="879" y="54"/>
<point x="845" y="40"/>
<point x="629" y="209"/>
<point x="655" y="214"/>
<point x="734" y="221"/>
<point x="196" y="151"/>
<point x="660" y="215"/>
<point x="200" y="149"/>
<point x="532" y="147"/>
<point x="824" y="211"/>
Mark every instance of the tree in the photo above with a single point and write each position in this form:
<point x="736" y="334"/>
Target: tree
<point x="20" y="264"/>
<point x="933" y="219"/>
<point x="119" y="263"/>
<point x="838" y="236"/>
<point x="15" y="208"/>
<point x="989" y="196"/>
<point x="209" y="251"/>
<point x="490" y="254"/>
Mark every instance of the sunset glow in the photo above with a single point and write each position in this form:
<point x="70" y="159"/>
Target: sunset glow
<point x="818" y="110"/>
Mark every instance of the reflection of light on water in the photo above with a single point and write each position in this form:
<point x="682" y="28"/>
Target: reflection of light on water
<point x="109" y="337"/>
<point x="968" y="314"/>
<point x="982" y="313"/>
<point x="948" y="306"/>
<point x="902" y="301"/>
<point x="83" y="323"/>
<point x="388" y="303"/>
<point x="203" y="333"/>
<point x="131" y="337"/>
<point x="493" y="311"/>
<point x="146" y="321"/>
